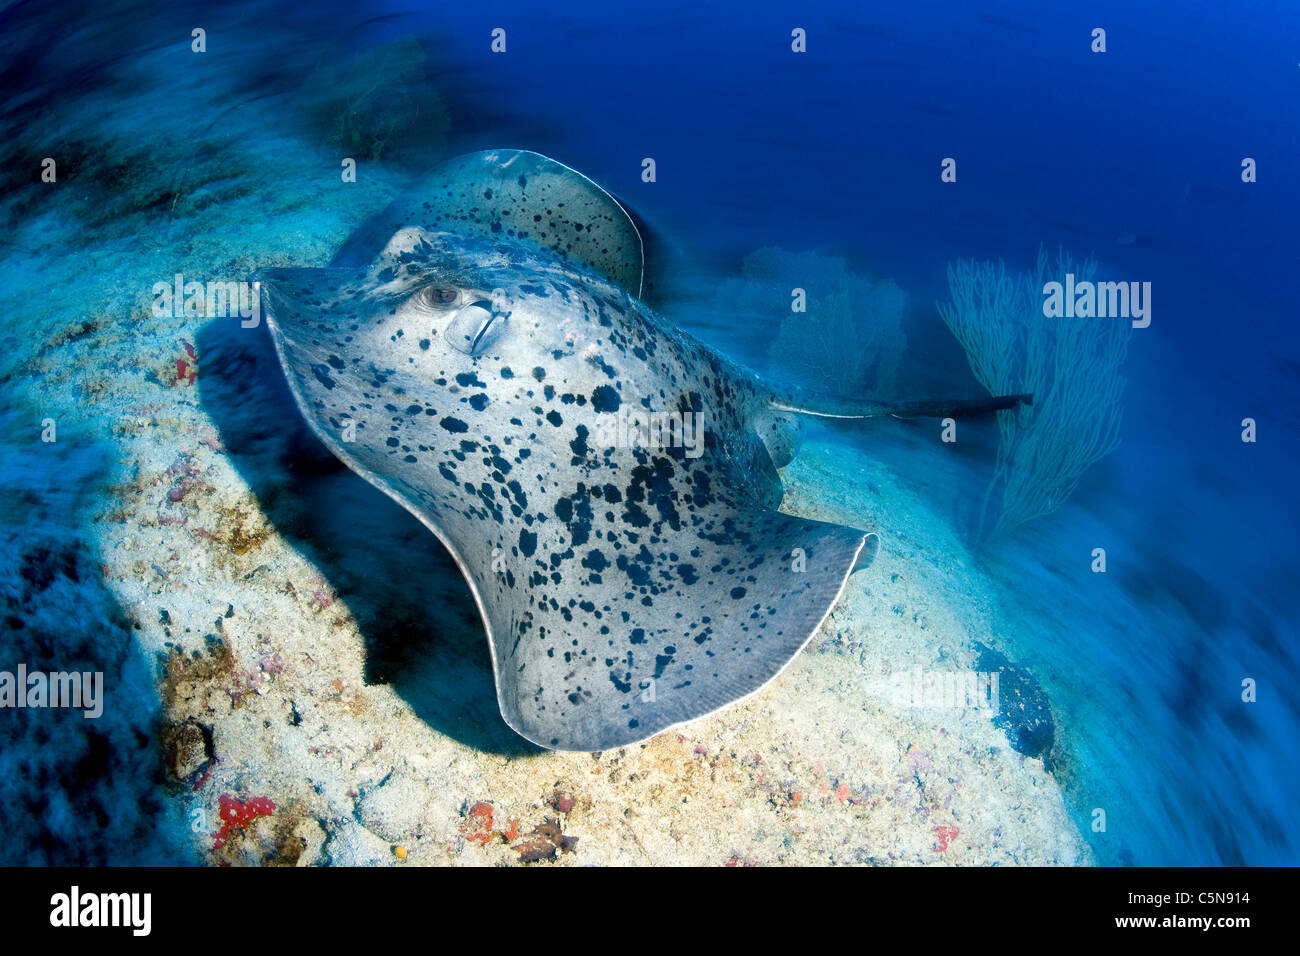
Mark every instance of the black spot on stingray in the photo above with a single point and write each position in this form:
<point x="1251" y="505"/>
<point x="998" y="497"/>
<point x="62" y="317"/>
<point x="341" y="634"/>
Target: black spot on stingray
<point x="517" y="490"/>
<point x="411" y="458"/>
<point x="604" y="366"/>
<point x="703" y="487"/>
<point x="507" y="373"/>
<point x="635" y="515"/>
<point x="638" y="575"/>
<point x="663" y="660"/>
<point x="424" y="345"/>
<point x="539" y="373"/>
<point x="393" y="443"/>
<point x="576" y="514"/>
<point x="605" y="399"/>
<point x="466" y="379"/>
<point x="447" y="472"/>
<point x="336" y="363"/>
<point x="637" y="636"/>
<point x="454" y="425"/>
<point x="579" y="444"/>
<point x="737" y="593"/>
<point x="322" y="374"/>
<point x="527" y="543"/>
<point x="478" y="402"/>
<point x="554" y="418"/>
<point x="595" y="560"/>
<point x="687" y="573"/>
<point x="414" y="409"/>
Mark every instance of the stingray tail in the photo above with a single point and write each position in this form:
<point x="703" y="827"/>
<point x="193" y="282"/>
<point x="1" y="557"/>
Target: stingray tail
<point x="959" y="408"/>
<point x="932" y="408"/>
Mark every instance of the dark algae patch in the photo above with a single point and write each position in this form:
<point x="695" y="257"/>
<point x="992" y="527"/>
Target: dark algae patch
<point x="1024" y="712"/>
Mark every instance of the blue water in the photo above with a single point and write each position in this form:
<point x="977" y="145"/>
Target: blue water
<point x="1133" y="156"/>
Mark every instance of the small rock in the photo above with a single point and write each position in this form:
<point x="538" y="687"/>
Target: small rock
<point x="394" y="809"/>
<point x="188" y="749"/>
<point x="312" y="835"/>
<point x="1024" y="712"/>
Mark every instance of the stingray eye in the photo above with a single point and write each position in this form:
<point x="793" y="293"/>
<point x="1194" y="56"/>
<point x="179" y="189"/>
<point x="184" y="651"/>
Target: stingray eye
<point x="475" y="327"/>
<point x="439" y="296"/>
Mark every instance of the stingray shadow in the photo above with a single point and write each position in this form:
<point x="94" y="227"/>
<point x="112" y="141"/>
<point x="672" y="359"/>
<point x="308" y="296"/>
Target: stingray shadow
<point x="422" y="630"/>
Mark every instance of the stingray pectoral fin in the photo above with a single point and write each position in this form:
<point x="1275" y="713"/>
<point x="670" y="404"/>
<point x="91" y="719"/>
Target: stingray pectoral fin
<point x="305" y="301"/>
<point x="677" y="632"/>
<point x="867" y="555"/>
<point x="781" y="433"/>
<point x="929" y="408"/>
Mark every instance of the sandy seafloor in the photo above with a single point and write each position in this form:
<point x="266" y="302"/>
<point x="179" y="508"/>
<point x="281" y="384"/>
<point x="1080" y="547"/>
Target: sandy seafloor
<point x="290" y="654"/>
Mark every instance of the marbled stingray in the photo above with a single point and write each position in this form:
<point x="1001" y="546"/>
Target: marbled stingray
<point x="469" y="370"/>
